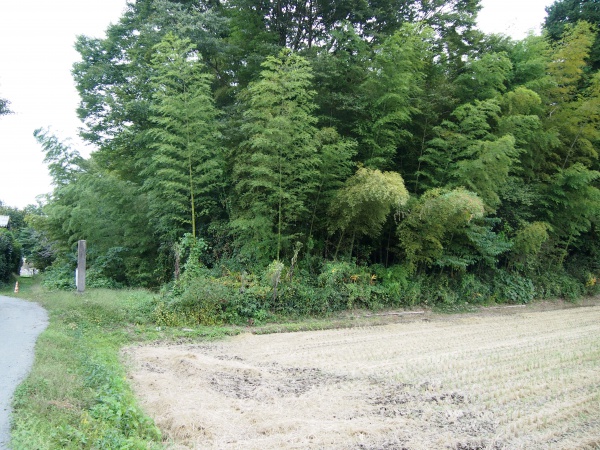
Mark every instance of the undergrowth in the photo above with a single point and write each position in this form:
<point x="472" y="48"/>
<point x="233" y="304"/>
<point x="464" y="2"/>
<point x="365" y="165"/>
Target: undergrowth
<point x="221" y="296"/>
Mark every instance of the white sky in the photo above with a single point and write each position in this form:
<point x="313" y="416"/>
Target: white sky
<point x="36" y="55"/>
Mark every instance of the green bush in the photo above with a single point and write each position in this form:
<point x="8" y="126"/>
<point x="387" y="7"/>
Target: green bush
<point x="211" y="298"/>
<point x="440" y="290"/>
<point x="302" y="299"/>
<point x="10" y="255"/>
<point x="96" y="278"/>
<point x="513" y="288"/>
<point x="354" y="284"/>
<point x="474" y="290"/>
<point x="240" y="298"/>
<point x="559" y="284"/>
<point x="108" y="269"/>
<point x="586" y="270"/>
<point x="399" y="286"/>
<point x="200" y="301"/>
<point x="60" y="275"/>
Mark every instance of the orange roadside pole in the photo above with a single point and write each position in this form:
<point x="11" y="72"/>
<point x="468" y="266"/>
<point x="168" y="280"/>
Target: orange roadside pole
<point x="17" y="287"/>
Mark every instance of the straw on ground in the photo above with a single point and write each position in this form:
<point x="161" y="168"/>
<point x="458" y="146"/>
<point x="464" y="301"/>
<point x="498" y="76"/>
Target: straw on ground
<point x="527" y="380"/>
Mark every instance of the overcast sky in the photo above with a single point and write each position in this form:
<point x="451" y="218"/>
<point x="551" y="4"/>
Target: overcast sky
<point x="36" y="56"/>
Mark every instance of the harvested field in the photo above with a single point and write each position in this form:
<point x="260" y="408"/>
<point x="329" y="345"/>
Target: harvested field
<point x="517" y="380"/>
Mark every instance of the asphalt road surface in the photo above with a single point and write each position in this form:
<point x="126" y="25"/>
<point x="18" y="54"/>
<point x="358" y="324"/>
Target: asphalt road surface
<point x="20" y="324"/>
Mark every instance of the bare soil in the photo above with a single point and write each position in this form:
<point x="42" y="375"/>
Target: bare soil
<point x="504" y="378"/>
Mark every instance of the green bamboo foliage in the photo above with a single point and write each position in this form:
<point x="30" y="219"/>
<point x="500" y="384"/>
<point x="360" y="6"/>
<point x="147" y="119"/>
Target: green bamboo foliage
<point x="392" y="85"/>
<point x="564" y="13"/>
<point x="362" y="206"/>
<point x="497" y="138"/>
<point x="184" y="173"/>
<point x="572" y="201"/>
<point x="334" y="167"/>
<point x="484" y="77"/>
<point x="440" y="229"/>
<point x="572" y="100"/>
<point x="275" y="170"/>
<point x="527" y="244"/>
<point x="467" y="153"/>
<point x="64" y="163"/>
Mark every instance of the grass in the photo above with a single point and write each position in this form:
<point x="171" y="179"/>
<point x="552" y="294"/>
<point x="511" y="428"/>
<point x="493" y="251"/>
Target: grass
<point x="77" y="396"/>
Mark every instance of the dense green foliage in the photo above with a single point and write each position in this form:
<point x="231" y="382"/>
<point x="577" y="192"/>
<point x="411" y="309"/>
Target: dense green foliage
<point x="568" y="12"/>
<point x="10" y="255"/>
<point x="389" y="143"/>
<point x="11" y="248"/>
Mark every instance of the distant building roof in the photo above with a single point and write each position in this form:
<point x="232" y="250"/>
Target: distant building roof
<point x="4" y="221"/>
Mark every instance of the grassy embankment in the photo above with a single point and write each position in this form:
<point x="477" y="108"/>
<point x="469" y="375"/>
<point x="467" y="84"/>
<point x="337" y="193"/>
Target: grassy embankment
<point x="77" y="396"/>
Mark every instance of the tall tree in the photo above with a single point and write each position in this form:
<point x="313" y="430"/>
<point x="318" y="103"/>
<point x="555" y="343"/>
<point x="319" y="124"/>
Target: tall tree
<point x="572" y="203"/>
<point x="183" y="175"/>
<point x="334" y="166"/>
<point x="300" y="24"/>
<point x="563" y="13"/>
<point x="393" y="83"/>
<point x="64" y="163"/>
<point x="468" y="153"/>
<point x="572" y="100"/>
<point x="89" y="202"/>
<point x="484" y="77"/>
<point x="114" y="72"/>
<point x="340" y="70"/>
<point x="275" y="166"/>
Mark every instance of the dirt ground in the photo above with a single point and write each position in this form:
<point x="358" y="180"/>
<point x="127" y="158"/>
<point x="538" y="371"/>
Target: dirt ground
<point x="504" y="378"/>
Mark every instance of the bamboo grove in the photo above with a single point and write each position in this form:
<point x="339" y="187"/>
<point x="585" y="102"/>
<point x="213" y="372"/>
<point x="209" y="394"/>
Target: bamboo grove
<point x="387" y="150"/>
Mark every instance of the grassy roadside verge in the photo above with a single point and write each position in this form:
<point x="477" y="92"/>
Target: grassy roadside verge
<point x="77" y="396"/>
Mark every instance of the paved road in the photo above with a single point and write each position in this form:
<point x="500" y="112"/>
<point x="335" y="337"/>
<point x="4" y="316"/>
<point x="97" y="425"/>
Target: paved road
<point x="20" y="324"/>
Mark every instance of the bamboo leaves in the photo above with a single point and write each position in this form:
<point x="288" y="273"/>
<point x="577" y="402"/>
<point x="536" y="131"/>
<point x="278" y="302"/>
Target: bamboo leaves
<point x="183" y="173"/>
<point x="276" y="166"/>
<point x="362" y="206"/>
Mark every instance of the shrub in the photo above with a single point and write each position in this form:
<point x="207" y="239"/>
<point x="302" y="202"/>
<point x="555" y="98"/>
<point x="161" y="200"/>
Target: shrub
<point x="95" y="278"/>
<point x="200" y="301"/>
<point x="10" y="256"/>
<point x="60" y="275"/>
<point x="347" y="283"/>
<point x="398" y="286"/>
<point x="513" y="288"/>
<point x="474" y="290"/>
<point x="302" y="299"/>
<point x="559" y="284"/>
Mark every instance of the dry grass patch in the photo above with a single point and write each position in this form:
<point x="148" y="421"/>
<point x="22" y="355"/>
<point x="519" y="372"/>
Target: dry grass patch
<point x="528" y="380"/>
